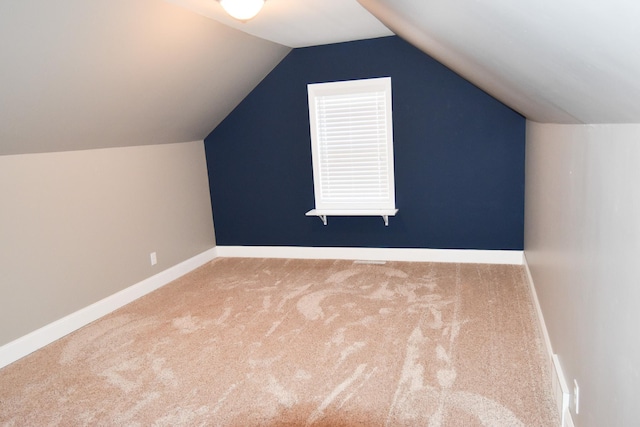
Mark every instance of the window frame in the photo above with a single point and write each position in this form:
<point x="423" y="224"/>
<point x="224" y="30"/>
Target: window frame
<point x="371" y="203"/>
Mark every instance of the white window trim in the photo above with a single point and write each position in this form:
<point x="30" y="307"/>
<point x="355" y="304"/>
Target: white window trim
<point x="376" y="201"/>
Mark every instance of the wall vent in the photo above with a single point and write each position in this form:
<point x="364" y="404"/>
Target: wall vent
<point x="366" y="261"/>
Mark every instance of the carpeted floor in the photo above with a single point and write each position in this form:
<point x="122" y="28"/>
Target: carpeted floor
<point x="267" y="342"/>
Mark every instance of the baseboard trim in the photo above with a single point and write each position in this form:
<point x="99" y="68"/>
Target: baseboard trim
<point x="558" y="385"/>
<point x="541" y="323"/>
<point x="375" y="254"/>
<point x="39" y="338"/>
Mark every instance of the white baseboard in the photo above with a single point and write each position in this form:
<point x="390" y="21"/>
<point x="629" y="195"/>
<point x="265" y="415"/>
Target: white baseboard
<point x="39" y="338"/>
<point x="375" y="254"/>
<point x="541" y="322"/>
<point x="561" y="394"/>
<point x="558" y="385"/>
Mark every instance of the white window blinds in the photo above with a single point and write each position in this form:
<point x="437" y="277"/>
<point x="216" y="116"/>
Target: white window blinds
<point x="352" y="145"/>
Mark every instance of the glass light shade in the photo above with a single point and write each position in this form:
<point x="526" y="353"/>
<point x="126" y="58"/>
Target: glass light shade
<point x="242" y="10"/>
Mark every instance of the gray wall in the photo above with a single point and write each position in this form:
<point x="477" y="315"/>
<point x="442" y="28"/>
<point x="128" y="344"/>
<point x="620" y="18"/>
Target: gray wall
<point x="78" y="226"/>
<point x="78" y="215"/>
<point x="582" y="243"/>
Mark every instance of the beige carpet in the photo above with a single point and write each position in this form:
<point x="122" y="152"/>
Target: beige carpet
<point x="242" y="342"/>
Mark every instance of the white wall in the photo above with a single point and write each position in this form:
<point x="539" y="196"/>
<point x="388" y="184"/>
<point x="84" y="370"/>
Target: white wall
<point x="78" y="226"/>
<point x="582" y="243"/>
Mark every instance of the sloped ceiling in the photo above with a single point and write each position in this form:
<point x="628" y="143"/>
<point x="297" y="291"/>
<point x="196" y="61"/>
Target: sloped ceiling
<point x="80" y="74"/>
<point x="299" y="23"/>
<point x="558" y="61"/>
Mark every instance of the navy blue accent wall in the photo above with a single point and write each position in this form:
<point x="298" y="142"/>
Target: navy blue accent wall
<point x="459" y="157"/>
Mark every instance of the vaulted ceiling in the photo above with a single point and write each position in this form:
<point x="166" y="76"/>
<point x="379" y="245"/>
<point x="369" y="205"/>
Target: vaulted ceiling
<point x="80" y="74"/>
<point x="563" y="61"/>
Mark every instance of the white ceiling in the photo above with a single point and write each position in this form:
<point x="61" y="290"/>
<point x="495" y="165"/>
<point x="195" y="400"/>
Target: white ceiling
<point x="299" y="23"/>
<point x="562" y="61"/>
<point x="80" y="74"/>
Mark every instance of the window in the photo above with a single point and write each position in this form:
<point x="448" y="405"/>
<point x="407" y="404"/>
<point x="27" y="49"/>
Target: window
<point x="352" y="148"/>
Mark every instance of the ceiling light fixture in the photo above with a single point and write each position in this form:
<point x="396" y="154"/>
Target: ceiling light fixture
<point x="242" y="10"/>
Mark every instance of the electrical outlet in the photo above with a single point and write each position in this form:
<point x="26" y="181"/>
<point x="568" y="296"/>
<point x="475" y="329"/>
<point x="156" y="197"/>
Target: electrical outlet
<point x="576" y="396"/>
<point x="154" y="258"/>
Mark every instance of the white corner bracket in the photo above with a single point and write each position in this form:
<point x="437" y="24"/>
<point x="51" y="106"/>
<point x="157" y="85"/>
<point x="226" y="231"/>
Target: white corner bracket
<point x="324" y="213"/>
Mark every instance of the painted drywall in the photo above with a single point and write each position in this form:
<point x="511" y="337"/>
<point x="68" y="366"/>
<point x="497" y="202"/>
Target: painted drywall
<point x="553" y="61"/>
<point x="459" y="157"/>
<point x="78" y="226"/>
<point x="582" y="243"/>
<point x="82" y="74"/>
<point x="298" y="23"/>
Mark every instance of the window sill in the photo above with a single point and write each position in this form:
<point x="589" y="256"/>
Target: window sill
<point x="324" y="213"/>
